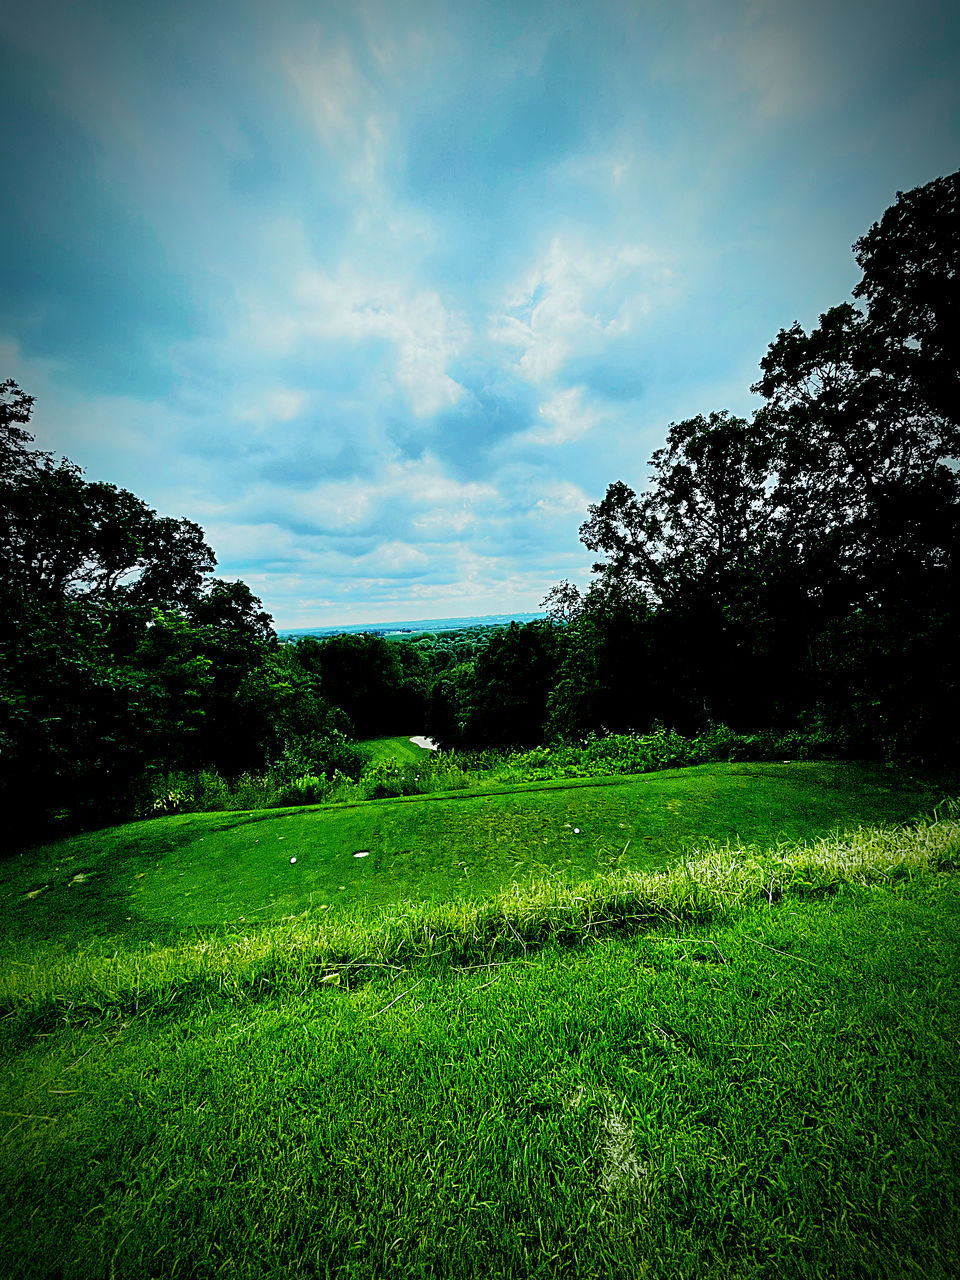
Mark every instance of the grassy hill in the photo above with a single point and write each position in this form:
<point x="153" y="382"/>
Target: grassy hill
<point x="149" y="880"/>
<point x="697" y="1023"/>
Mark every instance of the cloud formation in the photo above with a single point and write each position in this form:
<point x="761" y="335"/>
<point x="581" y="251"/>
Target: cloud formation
<point x="383" y="295"/>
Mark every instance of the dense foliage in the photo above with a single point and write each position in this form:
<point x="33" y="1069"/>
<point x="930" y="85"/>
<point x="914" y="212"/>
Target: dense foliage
<point x="122" y="659"/>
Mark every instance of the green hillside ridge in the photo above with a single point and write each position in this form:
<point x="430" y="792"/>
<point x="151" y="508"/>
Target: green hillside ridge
<point x="152" y="880"/>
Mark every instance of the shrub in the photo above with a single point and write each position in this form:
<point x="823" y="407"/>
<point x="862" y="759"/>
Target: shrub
<point x="321" y="755"/>
<point x="307" y="789"/>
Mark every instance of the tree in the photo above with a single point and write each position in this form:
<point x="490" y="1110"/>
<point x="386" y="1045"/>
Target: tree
<point x="809" y="558"/>
<point x="15" y="410"/>
<point x="175" y="682"/>
<point x="703" y="518"/>
<point x="867" y="414"/>
<point x="237" y="636"/>
<point x="696" y="547"/>
<point x="375" y="681"/>
<point x="911" y="286"/>
<point x="605" y="675"/>
<point x="118" y="653"/>
<point x="75" y="724"/>
<point x="866" y="406"/>
<point x="63" y="536"/>
<point x="852" y="440"/>
<point x="505" y="697"/>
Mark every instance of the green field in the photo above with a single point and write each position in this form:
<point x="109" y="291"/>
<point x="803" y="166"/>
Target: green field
<point x="505" y="1048"/>
<point x="149" y="880"/>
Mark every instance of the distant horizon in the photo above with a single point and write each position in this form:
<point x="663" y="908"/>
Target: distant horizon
<point x="449" y="623"/>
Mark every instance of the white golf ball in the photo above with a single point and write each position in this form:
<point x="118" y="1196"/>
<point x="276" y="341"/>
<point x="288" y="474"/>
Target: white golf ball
<point x="293" y="859"/>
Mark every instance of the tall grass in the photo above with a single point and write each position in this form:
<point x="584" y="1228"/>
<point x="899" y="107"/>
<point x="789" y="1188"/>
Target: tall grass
<point x="318" y="948"/>
<point x="745" y="1067"/>
<point x="392" y="774"/>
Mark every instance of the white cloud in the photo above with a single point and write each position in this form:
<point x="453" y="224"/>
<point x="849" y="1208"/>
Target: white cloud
<point x="236" y="541"/>
<point x="278" y="404"/>
<point x="575" y="300"/>
<point x="425" y="335"/>
<point x="563" y="498"/>
<point x="391" y="558"/>
<point x="404" y="499"/>
<point x="300" y="305"/>
<point x="347" y="112"/>
<point x="564" y="417"/>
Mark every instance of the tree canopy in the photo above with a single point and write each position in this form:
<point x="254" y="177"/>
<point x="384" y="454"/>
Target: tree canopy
<point x="805" y="562"/>
<point x="119" y="653"/>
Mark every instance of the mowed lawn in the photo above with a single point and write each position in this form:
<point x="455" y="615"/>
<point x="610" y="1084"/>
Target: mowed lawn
<point x="757" y="1081"/>
<point x="153" y="880"/>
<point x="402" y="750"/>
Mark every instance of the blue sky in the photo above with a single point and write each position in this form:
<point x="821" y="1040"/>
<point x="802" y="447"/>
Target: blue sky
<point x="384" y="294"/>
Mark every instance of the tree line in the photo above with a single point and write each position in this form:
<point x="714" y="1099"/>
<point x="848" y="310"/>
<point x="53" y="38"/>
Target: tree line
<point x="122" y="657"/>
<point x="797" y="569"/>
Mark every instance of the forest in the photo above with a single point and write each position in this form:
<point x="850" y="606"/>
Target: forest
<point x="797" y="572"/>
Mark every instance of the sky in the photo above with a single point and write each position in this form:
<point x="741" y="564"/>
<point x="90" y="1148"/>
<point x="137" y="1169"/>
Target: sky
<point x="384" y="295"/>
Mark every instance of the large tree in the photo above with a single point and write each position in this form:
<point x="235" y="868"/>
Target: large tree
<point x="867" y="413"/>
<point x="61" y="535"/>
<point x="810" y="557"/>
<point x="118" y="652"/>
<point x="911" y="289"/>
<point x="699" y="546"/>
<point x="702" y="520"/>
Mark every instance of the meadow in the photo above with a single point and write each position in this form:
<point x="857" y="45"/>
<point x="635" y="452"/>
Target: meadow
<point x="701" y="1022"/>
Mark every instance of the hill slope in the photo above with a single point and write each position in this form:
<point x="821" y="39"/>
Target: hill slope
<point x="151" y="880"/>
<point x="747" y="1067"/>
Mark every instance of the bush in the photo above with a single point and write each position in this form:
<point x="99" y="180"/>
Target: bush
<point x="321" y="755"/>
<point x="307" y="789"/>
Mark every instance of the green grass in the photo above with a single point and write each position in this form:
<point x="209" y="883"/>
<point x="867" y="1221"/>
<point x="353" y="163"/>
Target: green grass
<point x="152" y="880"/>
<point x="774" y="1094"/>
<point x="739" y="1064"/>
<point x="379" y="750"/>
